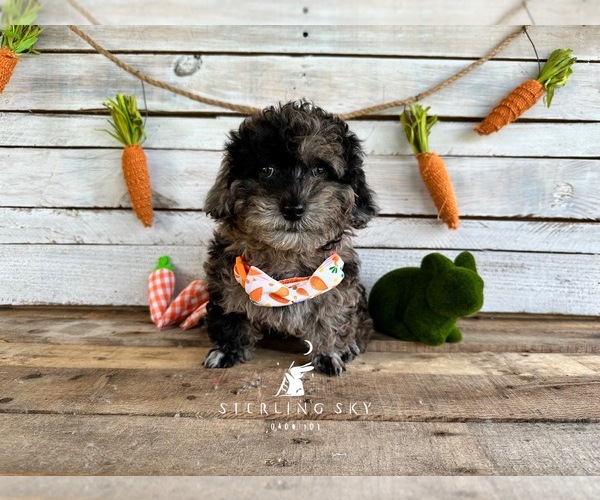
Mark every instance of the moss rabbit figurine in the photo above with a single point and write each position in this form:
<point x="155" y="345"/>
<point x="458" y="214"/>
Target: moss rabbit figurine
<point x="423" y="304"/>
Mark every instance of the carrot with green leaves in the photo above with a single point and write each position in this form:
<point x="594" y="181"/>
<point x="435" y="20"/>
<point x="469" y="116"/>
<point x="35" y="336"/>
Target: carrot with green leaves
<point x="417" y="125"/>
<point x="128" y="128"/>
<point x="554" y="74"/>
<point x="17" y="36"/>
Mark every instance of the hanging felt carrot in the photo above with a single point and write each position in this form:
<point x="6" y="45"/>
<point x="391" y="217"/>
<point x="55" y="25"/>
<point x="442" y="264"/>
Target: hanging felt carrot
<point x="555" y="73"/>
<point x="129" y="130"/>
<point x="417" y="126"/>
<point x="16" y="39"/>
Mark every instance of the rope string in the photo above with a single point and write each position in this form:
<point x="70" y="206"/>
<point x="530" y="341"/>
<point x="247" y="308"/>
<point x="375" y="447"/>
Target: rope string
<point x="436" y="88"/>
<point x="248" y="110"/>
<point x="84" y="12"/>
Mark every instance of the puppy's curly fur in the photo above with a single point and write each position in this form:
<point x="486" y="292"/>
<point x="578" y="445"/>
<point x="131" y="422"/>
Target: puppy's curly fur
<point x="290" y="191"/>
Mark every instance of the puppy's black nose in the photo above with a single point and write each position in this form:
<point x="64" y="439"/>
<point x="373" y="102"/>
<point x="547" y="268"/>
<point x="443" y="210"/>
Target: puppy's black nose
<point x="292" y="211"/>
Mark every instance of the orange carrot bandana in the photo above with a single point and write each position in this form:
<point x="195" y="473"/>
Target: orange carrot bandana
<point x="267" y="292"/>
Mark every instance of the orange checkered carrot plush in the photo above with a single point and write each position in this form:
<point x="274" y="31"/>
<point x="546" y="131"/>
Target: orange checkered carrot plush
<point x="189" y="306"/>
<point x="161" y="286"/>
<point x="555" y="73"/>
<point x="417" y="126"/>
<point x="192" y="300"/>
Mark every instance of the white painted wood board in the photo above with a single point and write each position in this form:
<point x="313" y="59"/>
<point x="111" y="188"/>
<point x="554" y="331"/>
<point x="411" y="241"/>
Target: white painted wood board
<point x="440" y="41"/>
<point x="81" y="82"/>
<point x="91" y="178"/>
<point x="379" y="137"/>
<point x="426" y="12"/>
<point x="193" y="228"/>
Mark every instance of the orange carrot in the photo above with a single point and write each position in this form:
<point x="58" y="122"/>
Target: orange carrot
<point x="555" y="73"/>
<point x="129" y="129"/>
<point x="417" y="126"/>
<point x="435" y="176"/>
<point x="8" y="61"/>
<point x="137" y="178"/>
<point x="16" y="39"/>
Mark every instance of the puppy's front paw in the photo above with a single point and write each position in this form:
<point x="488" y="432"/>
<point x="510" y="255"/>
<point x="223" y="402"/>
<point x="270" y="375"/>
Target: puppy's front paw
<point x="351" y="353"/>
<point x="216" y="358"/>
<point x="329" y="364"/>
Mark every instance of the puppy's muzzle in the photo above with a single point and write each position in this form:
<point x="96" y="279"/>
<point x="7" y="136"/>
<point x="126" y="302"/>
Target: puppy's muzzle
<point x="292" y="211"/>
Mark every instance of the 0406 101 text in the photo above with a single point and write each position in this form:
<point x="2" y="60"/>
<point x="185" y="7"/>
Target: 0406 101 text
<point x="294" y="426"/>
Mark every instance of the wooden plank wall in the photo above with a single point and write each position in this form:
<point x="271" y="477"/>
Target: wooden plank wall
<point x="529" y="195"/>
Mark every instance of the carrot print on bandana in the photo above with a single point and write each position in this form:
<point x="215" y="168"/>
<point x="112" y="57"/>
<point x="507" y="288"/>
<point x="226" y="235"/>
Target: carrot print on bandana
<point x="268" y="292"/>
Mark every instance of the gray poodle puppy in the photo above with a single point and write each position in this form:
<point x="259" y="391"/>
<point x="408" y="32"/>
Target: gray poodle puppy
<point x="290" y="191"/>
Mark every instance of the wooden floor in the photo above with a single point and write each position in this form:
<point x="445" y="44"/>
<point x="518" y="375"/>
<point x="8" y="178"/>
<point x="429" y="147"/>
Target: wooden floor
<point x="100" y="391"/>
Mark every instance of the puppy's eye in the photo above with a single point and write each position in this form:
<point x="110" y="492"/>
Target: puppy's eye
<point x="320" y="170"/>
<point x="267" y="171"/>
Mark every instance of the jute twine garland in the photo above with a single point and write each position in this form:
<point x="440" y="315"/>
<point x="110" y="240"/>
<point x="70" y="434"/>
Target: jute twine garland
<point x="84" y="12"/>
<point x="248" y="110"/>
<point x="517" y="8"/>
<point x="436" y="88"/>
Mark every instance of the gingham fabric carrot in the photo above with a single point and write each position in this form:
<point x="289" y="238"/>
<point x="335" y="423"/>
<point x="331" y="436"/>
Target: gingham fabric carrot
<point x="555" y="73"/>
<point x="199" y="313"/>
<point x="161" y="286"/>
<point x="268" y="292"/>
<point x="417" y="126"/>
<point x="189" y="306"/>
<point x="192" y="300"/>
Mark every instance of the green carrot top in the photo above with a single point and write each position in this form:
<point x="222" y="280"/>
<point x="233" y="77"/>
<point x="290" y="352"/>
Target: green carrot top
<point x="417" y="126"/>
<point x="126" y="120"/>
<point x="20" y="38"/>
<point x="18" y="34"/>
<point x="556" y="72"/>
<point x="164" y="263"/>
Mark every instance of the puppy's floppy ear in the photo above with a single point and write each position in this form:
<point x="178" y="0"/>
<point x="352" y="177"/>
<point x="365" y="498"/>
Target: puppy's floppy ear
<point x="365" y="207"/>
<point x="219" y="200"/>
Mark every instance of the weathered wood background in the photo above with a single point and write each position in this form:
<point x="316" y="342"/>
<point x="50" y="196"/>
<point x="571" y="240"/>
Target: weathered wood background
<point x="529" y="196"/>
